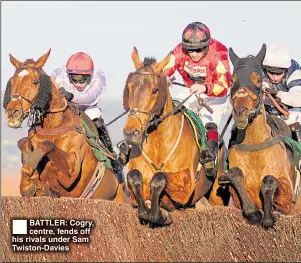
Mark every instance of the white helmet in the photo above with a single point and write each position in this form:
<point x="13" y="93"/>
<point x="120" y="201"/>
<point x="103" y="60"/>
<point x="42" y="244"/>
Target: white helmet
<point x="277" y="58"/>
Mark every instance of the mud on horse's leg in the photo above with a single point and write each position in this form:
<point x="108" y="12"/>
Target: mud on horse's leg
<point x="268" y="189"/>
<point x="157" y="185"/>
<point x="235" y="178"/>
<point x="134" y="180"/>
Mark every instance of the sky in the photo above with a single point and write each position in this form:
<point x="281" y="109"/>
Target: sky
<point x="108" y="31"/>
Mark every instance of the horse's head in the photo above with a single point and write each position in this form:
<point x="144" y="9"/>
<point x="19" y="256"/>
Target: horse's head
<point x="145" y="95"/>
<point x="246" y="92"/>
<point x="23" y="93"/>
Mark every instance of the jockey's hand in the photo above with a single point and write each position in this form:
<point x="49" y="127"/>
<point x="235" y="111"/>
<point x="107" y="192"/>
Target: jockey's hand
<point x="267" y="88"/>
<point x="68" y="95"/>
<point x="198" y="88"/>
<point x="273" y="92"/>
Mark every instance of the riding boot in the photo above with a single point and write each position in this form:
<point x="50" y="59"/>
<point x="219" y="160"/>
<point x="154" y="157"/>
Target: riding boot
<point x="106" y="141"/>
<point x="124" y="152"/>
<point x="209" y="154"/>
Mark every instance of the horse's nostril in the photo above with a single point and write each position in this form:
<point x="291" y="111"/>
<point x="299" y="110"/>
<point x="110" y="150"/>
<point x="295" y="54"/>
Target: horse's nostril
<point x="136" y="133"/>
<point x="17" y="114"/>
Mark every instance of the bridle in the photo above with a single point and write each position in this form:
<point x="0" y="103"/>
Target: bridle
<point x="33" y="113"/>
<point x="153" y="121"/>
<point x="257" y="103"/>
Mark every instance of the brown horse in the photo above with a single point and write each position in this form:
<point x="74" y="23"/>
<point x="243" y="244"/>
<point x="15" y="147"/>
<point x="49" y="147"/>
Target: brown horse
<point x="261" y="167"/>
<point x="57" y="159"/>
<point x="164" y="158"/>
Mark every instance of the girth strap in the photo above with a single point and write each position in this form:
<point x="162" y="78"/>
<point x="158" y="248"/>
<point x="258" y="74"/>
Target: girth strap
<point x="258" y="146"/>
<point x="95" y="181"/>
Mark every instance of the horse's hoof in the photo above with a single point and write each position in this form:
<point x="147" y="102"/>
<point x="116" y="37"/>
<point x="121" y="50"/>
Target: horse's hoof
<point x="143" y="215"/>
<point x="143" y="221"/>
<point x="268" y="222"/>
<point x="168" y="219"/>
<point x="27" y="170"/>
<point x="254" y="218"/>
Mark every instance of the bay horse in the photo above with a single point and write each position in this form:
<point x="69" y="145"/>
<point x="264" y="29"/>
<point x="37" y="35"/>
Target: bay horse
<point x="57" y="159"/>
<point x="261" y="166"/>
<point x="164" y="158"/>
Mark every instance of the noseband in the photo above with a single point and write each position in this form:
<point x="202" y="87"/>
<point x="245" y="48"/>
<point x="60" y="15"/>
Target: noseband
<point x="256" y="110"/>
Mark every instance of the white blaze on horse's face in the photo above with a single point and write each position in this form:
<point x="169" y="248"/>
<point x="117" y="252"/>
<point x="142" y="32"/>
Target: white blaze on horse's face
<point x="23" y="73"/>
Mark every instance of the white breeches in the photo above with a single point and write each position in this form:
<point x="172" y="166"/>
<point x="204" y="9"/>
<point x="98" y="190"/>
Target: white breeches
<point x="219" y="106"/>
<point x="93" y="112"/>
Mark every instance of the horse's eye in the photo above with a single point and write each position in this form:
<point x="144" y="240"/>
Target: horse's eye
<point x="36" y="82"/>
<point x="155" y="91"/>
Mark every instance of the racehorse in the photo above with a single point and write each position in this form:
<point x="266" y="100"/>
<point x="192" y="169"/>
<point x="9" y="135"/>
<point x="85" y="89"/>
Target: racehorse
<point x="164" y="159"/>
<point x="57" y="156"/>
<point x="261" y="166"/>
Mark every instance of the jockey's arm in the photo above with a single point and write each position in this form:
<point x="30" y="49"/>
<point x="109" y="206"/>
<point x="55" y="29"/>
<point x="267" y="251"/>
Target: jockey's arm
<point x="218" y="79"/>
<point x="96" y="89"/>
<point x="293" y="96"/>
<point x="59" y="77"/>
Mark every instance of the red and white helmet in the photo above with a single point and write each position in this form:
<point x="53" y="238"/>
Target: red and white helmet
<point x="80" y="63"/>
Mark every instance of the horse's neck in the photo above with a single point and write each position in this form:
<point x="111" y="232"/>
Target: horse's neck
<point x="259" y="130"/>
<point x="55" y="119"/>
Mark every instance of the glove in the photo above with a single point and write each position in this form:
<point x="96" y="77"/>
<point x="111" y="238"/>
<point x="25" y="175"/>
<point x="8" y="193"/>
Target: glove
<point x="198" y="88"/>
<point x="68" y="95"/>
<point x="273" y="92"/>
<point x="267" y="88"/>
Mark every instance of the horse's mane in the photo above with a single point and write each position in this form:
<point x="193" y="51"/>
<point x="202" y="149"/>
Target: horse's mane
<point x="29" y="61"/>
<point x="148" y="61"/>
<point x="44" y="96"/>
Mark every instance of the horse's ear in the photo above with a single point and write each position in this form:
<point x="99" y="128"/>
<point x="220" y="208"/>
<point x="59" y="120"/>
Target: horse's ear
<point x="233" y="57"/>
<point x="42" y="60"/>
<point x="158" y="68"/>
<point x="135" y="57"/>
<point x="15" y="62"/>
<point x="260" y="56"/>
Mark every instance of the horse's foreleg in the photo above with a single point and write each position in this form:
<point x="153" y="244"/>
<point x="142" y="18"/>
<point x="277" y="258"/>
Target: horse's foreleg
<point x="66" y="166"/>
<point x="34" y="158"/>
<point x="157" y="185"/>
<point x="268" y="189"/>
<point x="61" y="163"/>
<point x="235" y="178"/>
<point x="30" y="183"/>
<point x="134" y="181"/>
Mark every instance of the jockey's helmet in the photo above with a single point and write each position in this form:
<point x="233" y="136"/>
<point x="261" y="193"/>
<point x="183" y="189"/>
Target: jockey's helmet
<point x="196" y="36"/>
<point x="80" y="67"/>
<point x="277" y="58"/>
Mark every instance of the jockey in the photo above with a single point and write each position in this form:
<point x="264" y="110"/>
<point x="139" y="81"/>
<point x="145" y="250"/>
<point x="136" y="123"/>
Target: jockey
<point x="80" y="83"/>
<point x="204" y="66"/>
<point x="282" y="79"/>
